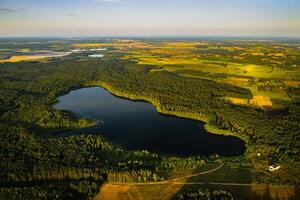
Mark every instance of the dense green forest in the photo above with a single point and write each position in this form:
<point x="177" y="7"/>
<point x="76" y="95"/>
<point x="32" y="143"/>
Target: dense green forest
<point x="31" y="158"/>
<point x="200" y="99"/>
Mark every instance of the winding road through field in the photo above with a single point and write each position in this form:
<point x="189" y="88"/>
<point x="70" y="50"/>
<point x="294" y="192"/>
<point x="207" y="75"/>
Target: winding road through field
<point x="131" y="191"/>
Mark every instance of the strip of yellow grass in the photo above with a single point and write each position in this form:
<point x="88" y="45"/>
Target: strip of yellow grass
<point x="115" y="192"/>
<point x="125" y="191"/>
<point x="237" y="81"/>
<point x="277" y="54"/>
<point x="257" y="54"/>
<point x="23" y="58"/>
<point x="24" y="50"/>
<point x="258" y="101"/>
<point x="261" y="101"/>
<point x="237" y="101"/>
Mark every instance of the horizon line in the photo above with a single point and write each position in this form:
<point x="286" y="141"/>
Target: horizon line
<point x="155" y="36"/>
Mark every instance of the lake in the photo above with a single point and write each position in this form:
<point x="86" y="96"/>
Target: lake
<point x="137" y="125"/>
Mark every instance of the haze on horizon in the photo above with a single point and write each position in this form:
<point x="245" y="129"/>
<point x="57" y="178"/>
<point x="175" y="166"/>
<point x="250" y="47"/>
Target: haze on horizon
<point x="271" y="18"/>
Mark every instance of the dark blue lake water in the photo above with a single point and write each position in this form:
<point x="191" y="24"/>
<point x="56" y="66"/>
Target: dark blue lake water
<point x="137" y="125"/>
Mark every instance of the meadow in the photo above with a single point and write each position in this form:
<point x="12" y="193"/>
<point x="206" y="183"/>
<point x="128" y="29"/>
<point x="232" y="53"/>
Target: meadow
<point x="267" y="69"/>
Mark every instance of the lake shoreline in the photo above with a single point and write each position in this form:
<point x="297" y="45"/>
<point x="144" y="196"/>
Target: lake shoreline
<point x="74" y="101"/>
<point x="185" y="115"/>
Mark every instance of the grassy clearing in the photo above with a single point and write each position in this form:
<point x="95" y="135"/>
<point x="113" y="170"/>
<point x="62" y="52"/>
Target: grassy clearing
<point x="24" y="50"/>
<point x="261" y="101"/>
<point x="32" y="57"/>
<point x="214" y="67"/>
<point x="237" y="181"/>
<point x="117" y="192"/>
<point x="137" y="192"/>
<point x="167" y="191"/>
<point x="23" y="58"/>
<point x="257" y="101"/>
<point x="148" y="191"/>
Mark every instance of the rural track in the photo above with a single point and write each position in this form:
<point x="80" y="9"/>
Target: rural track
<point x="197" y="174"/>
<point x="175" y="182"/>
<point x="201" y="183"/>
<point x="229" y="184"/>
<point x="171" y="180"/>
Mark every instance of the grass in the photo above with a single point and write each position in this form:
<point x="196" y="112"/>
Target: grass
<point x="238" y="181"/>
<point x="23" y="58"/>
<point x="163" y="191"/>
<point x="261" y="101"/>
<point x="214" y="67"/>
<point x="24" y="50"/>
<point x="137" y="192"/>
<point x="167" y="191"/>
<point x="32" y="57"/>
<point x="257" y="101"/>
<point x="240" y="178"/>
<point x="265" y="81"/>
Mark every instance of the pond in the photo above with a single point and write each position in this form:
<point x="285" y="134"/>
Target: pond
<point x="137" y="125"/>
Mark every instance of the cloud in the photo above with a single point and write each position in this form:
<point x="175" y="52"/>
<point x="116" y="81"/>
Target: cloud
<point x="12" y="10"/>
<point x="8" y="10"/>
<point x="111" y="1"/>
<point x="71" y="15"/>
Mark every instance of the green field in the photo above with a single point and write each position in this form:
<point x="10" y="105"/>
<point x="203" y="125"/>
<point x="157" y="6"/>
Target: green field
<point x="248" y="89"/>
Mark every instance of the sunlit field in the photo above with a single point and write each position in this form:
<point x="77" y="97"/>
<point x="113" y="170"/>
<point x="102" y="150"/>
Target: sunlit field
<point x="267" y="69"/>
<point x="248" y="90"/>
<point x="149" y="100"/>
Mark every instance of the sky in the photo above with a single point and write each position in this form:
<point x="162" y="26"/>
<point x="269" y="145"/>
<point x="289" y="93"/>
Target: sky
<point x="78" y="18"/>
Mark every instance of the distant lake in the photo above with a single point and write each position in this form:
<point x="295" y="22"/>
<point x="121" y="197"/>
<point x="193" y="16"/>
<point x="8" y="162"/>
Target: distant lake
<point x="137" y="125"/>
<point x="96" y="56"/>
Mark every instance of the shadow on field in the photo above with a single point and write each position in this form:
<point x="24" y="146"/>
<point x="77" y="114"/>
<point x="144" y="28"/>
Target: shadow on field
<point x="246" y="192"/>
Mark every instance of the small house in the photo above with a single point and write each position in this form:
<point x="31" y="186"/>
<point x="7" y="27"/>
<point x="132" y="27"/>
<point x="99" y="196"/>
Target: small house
<point x="274" y="167"/>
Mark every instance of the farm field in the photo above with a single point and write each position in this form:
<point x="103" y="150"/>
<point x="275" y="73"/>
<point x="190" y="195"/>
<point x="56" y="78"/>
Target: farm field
<point x="150" y="100"/>
<point x="245" y="89"/>
<point x="266" y="69"/>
